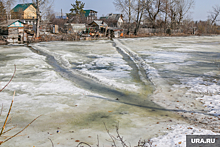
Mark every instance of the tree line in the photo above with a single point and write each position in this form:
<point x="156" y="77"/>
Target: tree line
<point x="166" y="14"/>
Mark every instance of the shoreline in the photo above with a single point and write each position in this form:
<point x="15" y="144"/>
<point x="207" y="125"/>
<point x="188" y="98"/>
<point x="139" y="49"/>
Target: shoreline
<point x="73" y="38"/>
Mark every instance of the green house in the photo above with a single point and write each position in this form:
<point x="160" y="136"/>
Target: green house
<point x="90" y="15"/>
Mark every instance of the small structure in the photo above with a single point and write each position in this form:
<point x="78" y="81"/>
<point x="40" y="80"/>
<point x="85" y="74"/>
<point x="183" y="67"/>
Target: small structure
<point x="99" y="25"/>
<point x="90" y="15"/>
<point x="74" y="28"/>
<point x="25" y="13"/>
<point x="114" y="32"/>
<point x="55" y="29"/>
<point x="113" y="20"/>
<point x="14" y="30"/>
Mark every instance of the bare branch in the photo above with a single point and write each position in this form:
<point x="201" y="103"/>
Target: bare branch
<point x="9" y="80"/>
<point x="9" y="130"/>
<point x="19" y="131"/>
<point x="214" y="14"/>
<point x="120" y="137"/>
<point x="98" y="140"/>
<point x="51" y="142"/>
<point x="112" y="137"/>
<point x="3" y="128"/>
<point x="84" y="143"/>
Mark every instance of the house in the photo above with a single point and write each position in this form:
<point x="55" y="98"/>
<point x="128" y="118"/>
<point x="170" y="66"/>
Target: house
<point x="13" y="29"/>
<point x="25" y="12"/>
<point x="100" y="26"/>
<point x="90" y="15"/>
<point x="113" y="20"/>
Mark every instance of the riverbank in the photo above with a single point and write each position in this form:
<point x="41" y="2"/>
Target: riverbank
<point x="73" y="37"/>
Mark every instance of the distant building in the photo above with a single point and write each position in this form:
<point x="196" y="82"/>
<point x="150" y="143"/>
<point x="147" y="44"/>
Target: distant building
<point x="113" y="20"/>
<point x="25" y="13"/>
<point x="98" y="25"/>
<point x="90" y="15"/>
<point x="61" y="17"/>
<point x="13" y="29"/>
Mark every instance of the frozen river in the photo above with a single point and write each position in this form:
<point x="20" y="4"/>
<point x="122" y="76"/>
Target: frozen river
<point x="152" y="87"/>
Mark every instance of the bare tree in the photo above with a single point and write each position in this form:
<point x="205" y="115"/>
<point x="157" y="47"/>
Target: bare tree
<point x="214" y="14"/>
<point x="183" y="7"/>
<point x="178" y="10"/>
<point x="2" y="12"/>
<point x="140" y="7"/>
<point x="126" y="7"/>
<point x="153" y="9"/>
<point x="165" y="10"/>
<point x="41" y="10"/>
<point x="8" y="6"/>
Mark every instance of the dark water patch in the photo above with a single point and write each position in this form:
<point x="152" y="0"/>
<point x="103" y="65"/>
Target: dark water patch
<point x="6" y="57"/>
<point x="28" y="74"/>
<point x="100" y="68"/>
<point x="92" y="57"/>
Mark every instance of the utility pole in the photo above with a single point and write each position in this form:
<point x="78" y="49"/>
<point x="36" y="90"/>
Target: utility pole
<point x="38" y="20"/>
<point x="61" y="14"/>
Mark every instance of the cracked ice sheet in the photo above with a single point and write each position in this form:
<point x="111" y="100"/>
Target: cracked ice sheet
<point x="39" y="91"/>
<point x="194" y="72"/>
<point x="63" y="106"/>
<point x="190" y="69"/>
<point x="97" y="59"/>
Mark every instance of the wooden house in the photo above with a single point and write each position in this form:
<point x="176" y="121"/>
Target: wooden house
<point x="113" y="20"/>
<point x="100" y="26"/>
<point x="25" y="12"/>
<point x="14" y="30"/>
<point x="90" y="15"/>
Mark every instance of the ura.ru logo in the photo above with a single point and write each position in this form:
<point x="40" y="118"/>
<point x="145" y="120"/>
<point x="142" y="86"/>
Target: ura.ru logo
<point x="208" y="140"/>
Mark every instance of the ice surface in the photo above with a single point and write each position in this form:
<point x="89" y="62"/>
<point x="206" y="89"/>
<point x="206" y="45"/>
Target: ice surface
<point x="177" y="137"/>
<point x="188" y="70"/>
<point x="95" y="59"/>
<point x="184" y="71"/>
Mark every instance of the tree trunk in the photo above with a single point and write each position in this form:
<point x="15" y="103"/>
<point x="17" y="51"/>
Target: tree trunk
<point x="38" y="21"/>
<point x="129" y="25"/>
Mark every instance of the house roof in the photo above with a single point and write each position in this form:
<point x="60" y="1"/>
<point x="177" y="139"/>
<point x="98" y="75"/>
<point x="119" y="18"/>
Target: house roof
<point x="114" y="16"/>
<point x="88" y="11"/>
<point x="9" y="22"/>
<point x="22" y="7"/>
<point x="104" y="17"/>
<point x="99" y="23"/>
